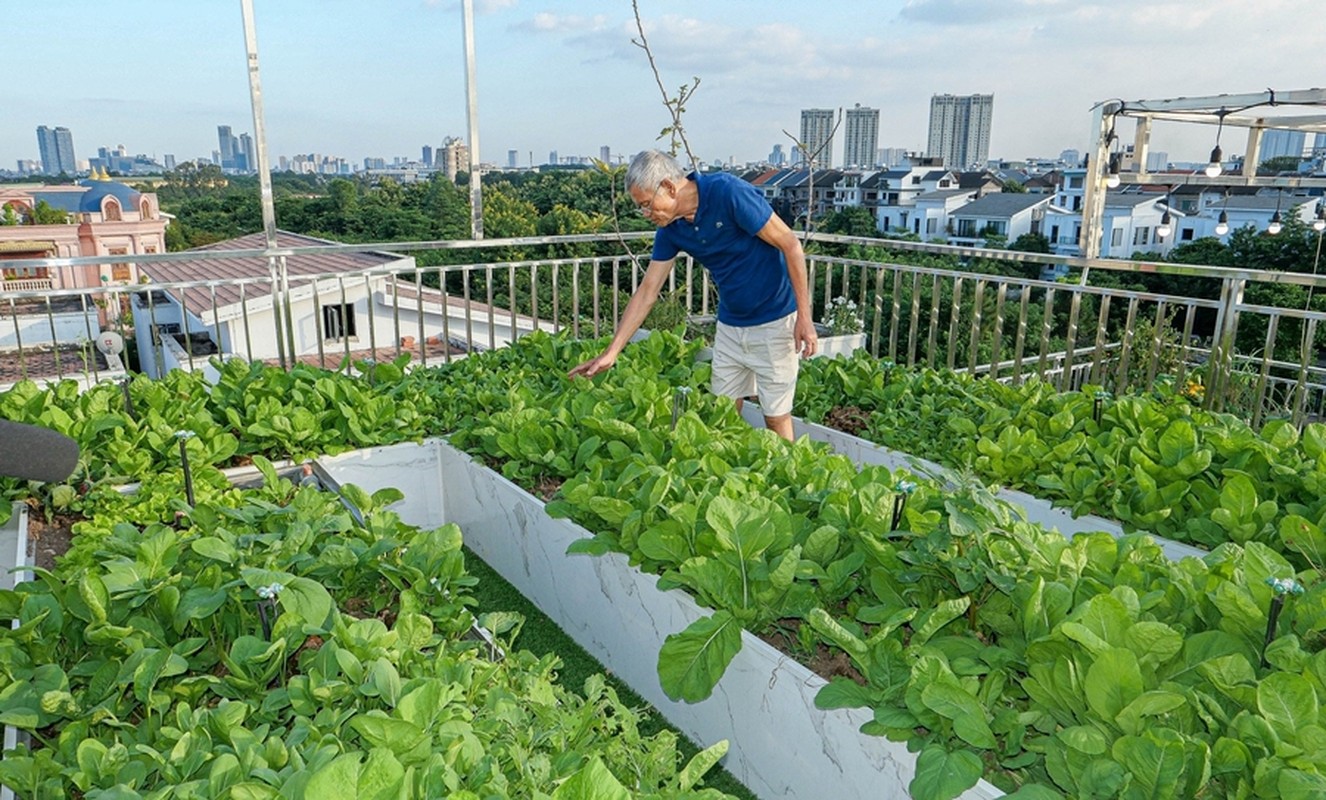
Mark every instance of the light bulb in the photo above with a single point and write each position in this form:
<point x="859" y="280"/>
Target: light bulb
<point x="1319" y="224"/>
<point x="1274" y="227"/>
<point x="1164" y="228"/>
<point x="1222" y="224"/>
<point x="1214" y="168"/>
<point x="1112" y="180"/>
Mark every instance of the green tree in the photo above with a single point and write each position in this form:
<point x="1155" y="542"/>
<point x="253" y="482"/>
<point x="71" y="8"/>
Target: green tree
<point x="850" y="221"/>
<point x="10" y="217"/>
<point x="1012" y="186"/>
<point x="1271" y="166"/>
<point x="1031" y="243"/>
<point x="44" y="214"/>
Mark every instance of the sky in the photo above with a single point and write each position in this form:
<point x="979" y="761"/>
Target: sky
<point x="383" y="78"/>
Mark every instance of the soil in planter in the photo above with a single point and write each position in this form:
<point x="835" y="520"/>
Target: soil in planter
<point x="848" y="419"/>
<point x="824" y="662"/>
<point x="48" y="541"/>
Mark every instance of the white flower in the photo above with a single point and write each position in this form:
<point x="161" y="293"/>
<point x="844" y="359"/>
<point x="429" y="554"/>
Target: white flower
<point x="185" y="434"/>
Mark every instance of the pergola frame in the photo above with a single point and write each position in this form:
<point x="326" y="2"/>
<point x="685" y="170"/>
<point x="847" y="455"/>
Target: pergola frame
<point x="1224" y="110"/>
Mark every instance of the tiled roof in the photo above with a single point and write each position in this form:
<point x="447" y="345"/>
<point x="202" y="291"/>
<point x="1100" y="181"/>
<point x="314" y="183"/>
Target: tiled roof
<point x="253" y="272"/>
<point x="1001" y="204"/>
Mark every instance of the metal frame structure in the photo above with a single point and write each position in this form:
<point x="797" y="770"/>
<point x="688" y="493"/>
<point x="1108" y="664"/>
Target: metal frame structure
<point x="1222" y="110"/>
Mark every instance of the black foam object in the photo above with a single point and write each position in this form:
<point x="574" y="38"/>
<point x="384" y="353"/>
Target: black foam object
<point x="36" y="453"/>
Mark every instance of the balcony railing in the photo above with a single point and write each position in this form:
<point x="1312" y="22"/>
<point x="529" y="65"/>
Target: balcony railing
<point x="1006" y="326"/>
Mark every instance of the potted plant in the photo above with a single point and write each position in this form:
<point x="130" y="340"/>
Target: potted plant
<point x="843" y="330"/>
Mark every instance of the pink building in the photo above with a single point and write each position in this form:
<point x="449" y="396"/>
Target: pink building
<point x="106" y="218"/>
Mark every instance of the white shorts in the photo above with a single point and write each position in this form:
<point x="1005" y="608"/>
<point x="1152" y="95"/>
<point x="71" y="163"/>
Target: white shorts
<point x="758" y="360"/>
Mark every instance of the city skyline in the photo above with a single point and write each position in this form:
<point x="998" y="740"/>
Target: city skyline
<point x="337" y="80"/>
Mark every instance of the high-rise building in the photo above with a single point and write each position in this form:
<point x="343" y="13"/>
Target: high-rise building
<point x="57" y="150"/>
<point x="1280" y="143"/>
<point x="168" y="160"/>
<point x="817" y="137"/>
<point x="1319" y="144"/>
<point x="228" y="144"/>
<point x="960" y="129"/>
<point x="605" y="154"/>
<point x="778" y="158"/>
<point x="428" y="155"/>
<point x="861" y="137"/>
<point x="455" y="157"/>
<point x="250" y="157"/>
<point x="552" y="157"/>
<point x="891" y="157"/>
<point x="512" y="159"/>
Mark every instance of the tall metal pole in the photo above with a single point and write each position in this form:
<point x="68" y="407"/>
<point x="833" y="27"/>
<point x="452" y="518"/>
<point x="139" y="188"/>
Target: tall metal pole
<point x="1093" y="203"/>
<point x="264" y="174"/>
<point x="472" y="113"/>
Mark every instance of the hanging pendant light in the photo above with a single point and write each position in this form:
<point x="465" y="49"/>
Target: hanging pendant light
<point x="1274" y="218"/>
<point x="1216" y="165"/>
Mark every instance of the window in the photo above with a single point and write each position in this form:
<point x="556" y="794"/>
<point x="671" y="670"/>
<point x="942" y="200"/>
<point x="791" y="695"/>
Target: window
<point x="111" y="211"/>
<point x="1142" y="236"/>
<point x="967" y="227"/>
<point x="1075" y="183"/>
<point x="338" y="321"/>
<point x="1116" y="238"/>
<point x="931" y="225"/>
<point x="916" y="180"/>
<point x="145" y="210"/>
<point x="917" y="225"/>
<point x="1185" y="235"/>
<point x="885" y="225"/>
<point x="119" y="272"/>
<point x="1077" y="202"/>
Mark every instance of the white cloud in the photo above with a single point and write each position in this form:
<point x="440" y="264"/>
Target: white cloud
<point x="546" y="22"/>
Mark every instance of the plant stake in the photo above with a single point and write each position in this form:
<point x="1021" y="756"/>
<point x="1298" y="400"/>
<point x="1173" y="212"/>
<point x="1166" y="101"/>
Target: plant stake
<point x="1282" y="587"/>
<point x="904" y="490"/>
<point x="1101" y="397"/>
<point x="128" y="401"/>
<point x="184" y="437"/>
<point x="679" y="403"/>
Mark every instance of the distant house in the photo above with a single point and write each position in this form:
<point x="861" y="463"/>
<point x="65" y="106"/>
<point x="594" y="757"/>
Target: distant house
<point x="1130" y="224"/>
<point x="892" y="194"/>
<point x="106" y="218"/>
<point x="1004" y="214"/>
<point x="933" y="211"/>
<point x="102" y="218"/>
<point x="338" y="305"/>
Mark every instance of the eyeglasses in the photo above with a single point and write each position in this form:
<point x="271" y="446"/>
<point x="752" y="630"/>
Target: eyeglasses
<point x="646" y="209"/>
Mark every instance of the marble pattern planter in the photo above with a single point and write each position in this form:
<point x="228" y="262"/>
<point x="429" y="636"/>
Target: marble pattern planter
<point x="13" y="553"/>
<point x="782" y="746"/>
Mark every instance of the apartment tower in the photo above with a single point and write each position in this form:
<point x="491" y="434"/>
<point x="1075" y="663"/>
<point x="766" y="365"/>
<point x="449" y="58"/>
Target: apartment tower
<point x="817" y="136"/>
<point x="960" y="129"/>
<point x="861" y="138"/>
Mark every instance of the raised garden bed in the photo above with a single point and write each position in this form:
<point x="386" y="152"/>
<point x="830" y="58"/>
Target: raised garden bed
<point x="782" y="746"/>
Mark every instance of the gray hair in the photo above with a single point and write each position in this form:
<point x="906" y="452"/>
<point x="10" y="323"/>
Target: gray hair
<point x="650" y="168"/>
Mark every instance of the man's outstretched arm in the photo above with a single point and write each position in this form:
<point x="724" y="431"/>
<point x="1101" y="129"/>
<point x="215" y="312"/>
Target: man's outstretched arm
<point x="632" y="318"/>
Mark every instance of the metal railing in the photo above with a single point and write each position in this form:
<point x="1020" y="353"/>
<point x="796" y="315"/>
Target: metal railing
<point x="989" y="316"/>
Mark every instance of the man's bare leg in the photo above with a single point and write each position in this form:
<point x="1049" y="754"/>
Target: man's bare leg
<point x="781" y="425"/>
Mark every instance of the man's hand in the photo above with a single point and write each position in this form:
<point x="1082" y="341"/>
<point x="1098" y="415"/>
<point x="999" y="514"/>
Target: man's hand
<point x="807" y="341"/>
<point x="593" y="366"/>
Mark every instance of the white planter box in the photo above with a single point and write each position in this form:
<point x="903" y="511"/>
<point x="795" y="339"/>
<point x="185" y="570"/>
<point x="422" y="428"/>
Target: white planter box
<point x="844" y="345"/>
<point x="13" y="553"/>
<point x="781" y="745"/>
<point x="1038" y="511"/>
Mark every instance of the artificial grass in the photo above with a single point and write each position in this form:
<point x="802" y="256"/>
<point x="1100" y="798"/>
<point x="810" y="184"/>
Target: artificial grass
<point x="541" y="635"/>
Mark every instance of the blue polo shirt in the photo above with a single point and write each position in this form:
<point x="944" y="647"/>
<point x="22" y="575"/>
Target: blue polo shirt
<point x="751" y="274"/>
